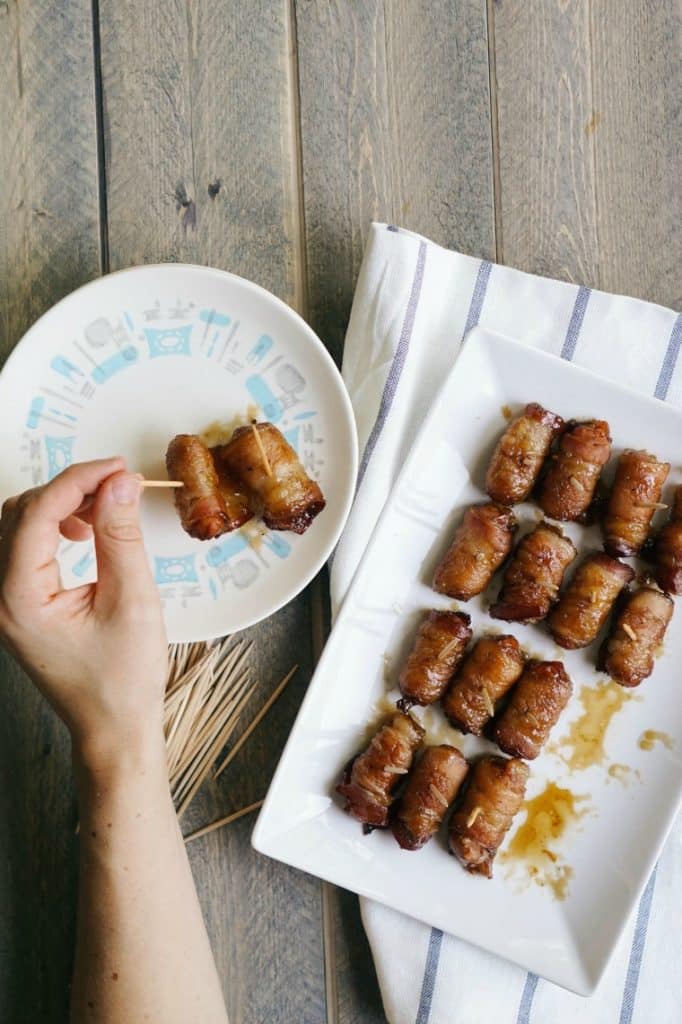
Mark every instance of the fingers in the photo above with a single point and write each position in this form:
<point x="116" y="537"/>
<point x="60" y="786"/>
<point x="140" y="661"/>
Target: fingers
<point x="123" y="573"/>
<point x="76" y="529"/>
<point x="31" y="521"/>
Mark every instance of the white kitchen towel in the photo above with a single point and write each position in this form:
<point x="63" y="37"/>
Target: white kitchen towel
<point x="413" y="305"/>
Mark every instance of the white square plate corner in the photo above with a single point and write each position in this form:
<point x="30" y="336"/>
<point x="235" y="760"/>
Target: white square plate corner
<point x="615" y="848"/>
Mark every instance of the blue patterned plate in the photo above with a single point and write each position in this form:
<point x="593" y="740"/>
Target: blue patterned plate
<point x="125" y="363"/>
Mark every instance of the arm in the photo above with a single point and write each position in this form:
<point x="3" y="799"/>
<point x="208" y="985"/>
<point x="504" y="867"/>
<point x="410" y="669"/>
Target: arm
<point x="98" y="653"/>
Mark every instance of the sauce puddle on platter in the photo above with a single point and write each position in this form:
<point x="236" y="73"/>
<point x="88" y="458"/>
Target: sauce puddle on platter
<point x="583" y="747"/>
<point x="623" y="773"/>
<point x="532" y="848"/>
<point x="649" y="739"/>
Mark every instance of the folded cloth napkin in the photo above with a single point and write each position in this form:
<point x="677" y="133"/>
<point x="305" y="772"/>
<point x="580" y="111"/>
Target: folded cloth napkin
<point x="414" y="303"/>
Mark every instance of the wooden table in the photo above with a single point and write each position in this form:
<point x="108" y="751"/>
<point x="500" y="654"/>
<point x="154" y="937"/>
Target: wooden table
<point x="263" y="136"/>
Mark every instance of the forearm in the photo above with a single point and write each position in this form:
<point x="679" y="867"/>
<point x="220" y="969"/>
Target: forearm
<point x="142" y="950"/>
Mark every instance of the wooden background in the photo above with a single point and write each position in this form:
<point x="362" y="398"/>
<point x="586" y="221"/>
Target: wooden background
<point x="263" y="136"/>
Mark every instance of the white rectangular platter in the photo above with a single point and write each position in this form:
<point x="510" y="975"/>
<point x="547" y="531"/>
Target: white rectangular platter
<point x="627" y="800"/>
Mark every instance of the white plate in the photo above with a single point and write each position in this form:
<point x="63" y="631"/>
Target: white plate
<point x="125" y="363"/>
<point x="614" y="846"/>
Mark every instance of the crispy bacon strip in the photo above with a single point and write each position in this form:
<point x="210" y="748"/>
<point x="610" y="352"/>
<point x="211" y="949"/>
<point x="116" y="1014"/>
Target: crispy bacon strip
<point x="495" y="792"/>
<point x="584" y="606"/>
<point x="201" y="501"/>
<point x="629" y="653"/>
<point x="668" y="549"/>
<point x="480" y="545"/>
<point x="519" y="454"/>
<point x="635" y="496"/>
<point x="486" y="674"/>
<point x="437" y="651"/>
<point x="533" y="710"/>
<point x="278" y="486"/>
<point x="370" y="780"/>
<point x="533" y="577"/>
<point x="569" y="484"/>
<point x="432" y="785"/>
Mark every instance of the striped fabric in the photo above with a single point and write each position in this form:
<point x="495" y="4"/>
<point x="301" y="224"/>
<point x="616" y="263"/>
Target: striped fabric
<point x="414" y="304"/>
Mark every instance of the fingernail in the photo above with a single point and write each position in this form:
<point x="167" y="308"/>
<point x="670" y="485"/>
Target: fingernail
<point x="125" y="490"/>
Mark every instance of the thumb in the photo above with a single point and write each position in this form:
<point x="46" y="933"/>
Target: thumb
<point x="122" y="567"/>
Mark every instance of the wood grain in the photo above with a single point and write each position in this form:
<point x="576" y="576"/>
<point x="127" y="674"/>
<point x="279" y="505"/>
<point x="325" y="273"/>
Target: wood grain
<point x="589" y="142"/>
<point x="201" y="166"/>
<point x="199" y="137"/>
<point x="49" y="244"/>
<point x="49" y="207"/>
<point x="395" y="125"/>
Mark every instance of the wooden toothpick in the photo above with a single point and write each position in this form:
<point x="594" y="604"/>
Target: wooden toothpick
<point x="249" y="729"/>
<point x="227" y="820"/>
<point x="259" y="442"/>
<point x="161" y="483"/>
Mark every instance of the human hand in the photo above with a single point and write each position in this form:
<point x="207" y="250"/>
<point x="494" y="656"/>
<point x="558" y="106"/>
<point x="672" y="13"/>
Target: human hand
<point x="98" y="652"/>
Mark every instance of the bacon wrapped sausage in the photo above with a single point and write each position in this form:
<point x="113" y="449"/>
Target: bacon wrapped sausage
<point x="629" y="653"/>
<point x="497" y="786"/>
<point x="432" y="785"/>
<point x="519" y="454"/>
<point x="533" y="577"/>
<point x="201" y="500"/>
<point x="279" y="488"/>
<point x="370" y="780"/>
<point x="668" y="549"/>
<point x="569" y="484"/>
<point x="486" y="674"/>
<point x="584" y="606"/>
<point x="482" y="542"/>
<point x="533" y="710"/>
<point x="635" y="496"/>
<point x="437" y="651"/>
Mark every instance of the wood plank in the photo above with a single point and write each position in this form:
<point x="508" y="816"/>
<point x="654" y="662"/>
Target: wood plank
<point x="201" y="166"/>
<point x="395" y="126"/>
<point x="49" y="206"/>
<point x="395" y="119"/>
<point x="49" y="244"/>
<point x="589" y="142"/>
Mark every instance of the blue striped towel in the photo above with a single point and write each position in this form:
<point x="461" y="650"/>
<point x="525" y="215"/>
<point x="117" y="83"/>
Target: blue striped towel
<point x="414" y="303"/>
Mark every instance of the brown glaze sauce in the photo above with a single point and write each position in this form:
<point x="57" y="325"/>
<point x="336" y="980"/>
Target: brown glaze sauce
<point x="649" y="739"/>
<point x="583" y="747"/>
<point x="220" y="431"/>
<point x="532" y="847"/>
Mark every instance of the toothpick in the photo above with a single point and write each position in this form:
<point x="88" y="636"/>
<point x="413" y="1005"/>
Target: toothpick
<point x="161" y="483"/>
<point x="249" y="729"/>
<point x="651" y="504"/>
<point x="474" y="814"/>
<point x="261" y="449"/>
<point x="223" y="821"/>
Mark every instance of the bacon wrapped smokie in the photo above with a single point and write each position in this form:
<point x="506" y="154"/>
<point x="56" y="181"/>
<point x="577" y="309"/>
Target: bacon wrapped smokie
<point x="534" y="707"/>
<point x="584" y="606"/>
<point x="495" y="792"/>
<point x="371" y="778"/>
<point x="519" y="454"/>
<point x="265" y="463"/>
<point x="482" y="542"/>
<point x="635" y="496"/>
<point x="201" y="501"/>
<point x="533" y="577"/>
<point x="437" y="651"/>
<point x="432" y="785"/>
<point x="629" y="652"/>
<point x="569" y="484"/>
<point x="668" y="549"/>
<point x="486" y="674"/>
